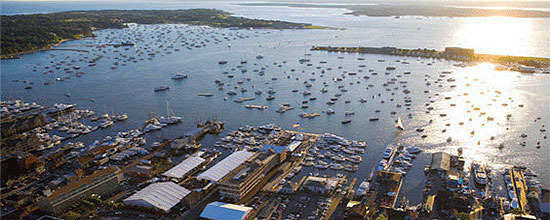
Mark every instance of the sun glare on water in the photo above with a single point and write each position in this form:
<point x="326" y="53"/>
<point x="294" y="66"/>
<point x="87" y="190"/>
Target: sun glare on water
<point x="475" y="115"/>
<point x="495" y="35"/>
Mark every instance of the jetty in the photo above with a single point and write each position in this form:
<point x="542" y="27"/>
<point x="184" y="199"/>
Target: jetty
<point x="191" y="139"/>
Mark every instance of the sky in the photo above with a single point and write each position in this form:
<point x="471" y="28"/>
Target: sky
<point x="505" y="3"/>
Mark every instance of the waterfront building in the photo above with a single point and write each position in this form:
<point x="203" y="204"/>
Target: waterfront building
<point x="280" y="150"/>
<point x="187" y="166"/>
<point x="243" y="179"/>
<point x="141" y="170"/>
<point x="323" y="185"/>
<point x="222" y="168"/>
<point x="466" y="53"/>
<point x="103" y="182"/>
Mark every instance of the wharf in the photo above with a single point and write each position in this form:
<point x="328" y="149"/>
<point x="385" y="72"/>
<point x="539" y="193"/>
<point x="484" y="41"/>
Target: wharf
<point x="191" y="139"/>
<point x="350" y="191"/>
<point x="520" y="187"/>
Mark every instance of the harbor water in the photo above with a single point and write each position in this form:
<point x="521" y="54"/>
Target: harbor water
<point x="477" y="108"/>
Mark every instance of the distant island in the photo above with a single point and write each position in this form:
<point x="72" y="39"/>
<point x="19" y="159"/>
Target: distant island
<point x="27" y="33"/>
<point x="428" y="10"/>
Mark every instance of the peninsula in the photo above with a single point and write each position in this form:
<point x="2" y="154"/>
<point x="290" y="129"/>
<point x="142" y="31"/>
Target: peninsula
<point x="28" y="33"/>
<point x="427" y="10"/>
<point x="504" y="62"/>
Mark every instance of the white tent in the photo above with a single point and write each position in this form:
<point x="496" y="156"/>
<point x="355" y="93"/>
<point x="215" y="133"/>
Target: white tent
<point x="180" y="170"/>
<point x="160" y="195"/>
<point x="225" y="166"/>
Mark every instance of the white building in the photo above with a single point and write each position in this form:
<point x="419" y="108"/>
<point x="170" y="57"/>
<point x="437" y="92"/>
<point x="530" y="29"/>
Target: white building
<point x="320" y="184"/>
<point x="160" y="195"/>
<point x="183" y="168"/>
<point x="222" y="168"/>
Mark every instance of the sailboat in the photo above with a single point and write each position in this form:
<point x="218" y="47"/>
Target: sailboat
<point x="169" y="119"/>
<point x="399" y="124"/>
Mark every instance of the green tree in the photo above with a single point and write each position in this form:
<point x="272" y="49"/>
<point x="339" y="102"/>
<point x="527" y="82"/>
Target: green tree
<point x="72" y="215"/>
<point x="463" y="216"/>
<point x="517" y="211"/>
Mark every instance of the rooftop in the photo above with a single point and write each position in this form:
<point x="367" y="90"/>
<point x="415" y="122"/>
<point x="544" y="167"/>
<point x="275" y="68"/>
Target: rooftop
<point x="222" y="168"/>
<point x="184" y="167"/>
<point x="441" y="161"/>
<point x="225" y="211"/>
<point x="160" y="195"/>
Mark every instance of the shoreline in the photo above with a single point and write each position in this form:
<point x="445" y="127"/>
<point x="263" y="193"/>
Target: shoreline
<point x="506" y="62"/>
<point x="45" y="48"/>
<point x="79" y="24"/>
<point x="396" y="10"/>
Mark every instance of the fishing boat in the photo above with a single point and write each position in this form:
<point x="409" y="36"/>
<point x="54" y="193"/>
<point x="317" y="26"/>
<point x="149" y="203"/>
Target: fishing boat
<point x="373" y="119"/>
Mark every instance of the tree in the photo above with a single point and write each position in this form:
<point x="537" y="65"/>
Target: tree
<point x="463" y="216"/>
<point x="517" y="211"/>
<point x="72" y="215"/>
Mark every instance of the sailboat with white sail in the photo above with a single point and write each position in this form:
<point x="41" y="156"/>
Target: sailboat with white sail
<point x="399" y="124"/>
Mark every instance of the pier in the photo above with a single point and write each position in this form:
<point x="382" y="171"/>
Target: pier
<point x="190" y="140"/>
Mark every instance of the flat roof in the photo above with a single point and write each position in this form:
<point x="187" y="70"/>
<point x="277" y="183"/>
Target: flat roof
<point x="160" y="195"/>
<point x="225" y="166"/>
<point x="292" y="146"/>
<point x="441" y="161"/>
<point x="180" y="170"/>
<point x="225" y="211"/>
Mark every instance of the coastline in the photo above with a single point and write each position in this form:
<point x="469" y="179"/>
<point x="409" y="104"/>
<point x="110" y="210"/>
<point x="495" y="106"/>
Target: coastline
<point x="505" y="62"/>
<point x="81" y="24"/>
<point x="387" y="10"/>
<point x="45" y="48"/>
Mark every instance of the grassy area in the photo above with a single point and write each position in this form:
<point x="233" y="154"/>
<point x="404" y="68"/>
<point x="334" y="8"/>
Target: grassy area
<point x="315" y="27"/>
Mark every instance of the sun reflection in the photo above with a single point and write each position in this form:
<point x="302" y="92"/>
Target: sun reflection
<point x="476" y="114"/>
<point x="495" y="35"/>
